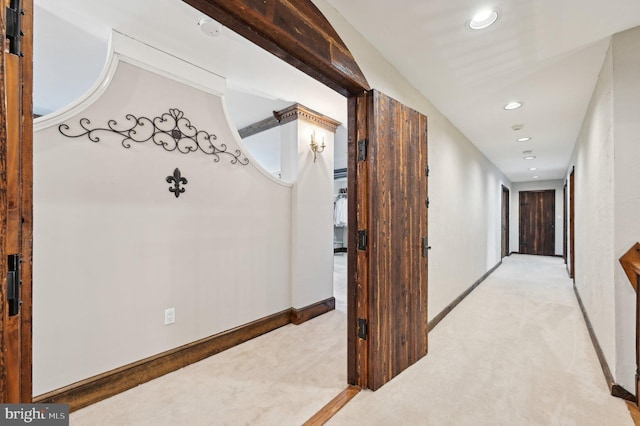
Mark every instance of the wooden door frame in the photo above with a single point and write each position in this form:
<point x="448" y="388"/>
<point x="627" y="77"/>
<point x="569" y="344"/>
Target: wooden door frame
<point x="505" y="226"/>
<point x="293" y="30"/>
<point x="358" y="216"/>
<point x="24" y="196"/>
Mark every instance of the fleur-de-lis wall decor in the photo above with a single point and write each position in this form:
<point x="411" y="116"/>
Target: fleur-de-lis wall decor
<point x="177" y="180"/>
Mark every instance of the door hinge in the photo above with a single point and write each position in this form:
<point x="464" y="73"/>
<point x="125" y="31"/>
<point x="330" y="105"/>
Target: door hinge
<point x="362" y="150"/>
<point x="14" y="33"/>
<point x="426" y="202"/>
<point x="427" y="171"/>
<point x="425" y="246"/>
<point x="14" y="282"/>
<point x="363" y="328"/>
<point x="362" y="239"/>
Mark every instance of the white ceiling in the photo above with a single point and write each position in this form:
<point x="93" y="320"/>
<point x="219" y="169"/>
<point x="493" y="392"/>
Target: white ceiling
<point x="71" y="38"/>
<point x="544" y="53"/>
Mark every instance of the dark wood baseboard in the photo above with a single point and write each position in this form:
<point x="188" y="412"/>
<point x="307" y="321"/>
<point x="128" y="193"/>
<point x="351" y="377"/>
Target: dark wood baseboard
<point x="105" y="385"/>
<point x="298" y="316"/>
<point x="615" y="389"/>
<point x="620" y="392"/>
<point x="436" y="320"/>
<point x="335" y="405"/>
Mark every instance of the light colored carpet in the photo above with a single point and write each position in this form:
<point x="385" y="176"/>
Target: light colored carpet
<point x="281" y="378"/>
<point x="276" y="379"/>
<point x="515" y="352"/>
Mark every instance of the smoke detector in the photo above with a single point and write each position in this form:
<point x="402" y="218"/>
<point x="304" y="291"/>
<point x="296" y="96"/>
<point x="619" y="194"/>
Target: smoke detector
<point x="210" y="27"/>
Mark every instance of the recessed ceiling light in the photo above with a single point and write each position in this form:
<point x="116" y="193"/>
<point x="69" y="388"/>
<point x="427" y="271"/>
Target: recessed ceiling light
<point x="530" y="157"/>
<point x="531" y="169"/>
<point x="536" y="177"/>
<point x="483" y="19"/>
<point x="523" y="139"/>
<point x="512" y="105"/>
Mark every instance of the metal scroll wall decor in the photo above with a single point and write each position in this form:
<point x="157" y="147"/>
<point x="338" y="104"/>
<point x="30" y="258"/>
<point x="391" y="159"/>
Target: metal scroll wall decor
<point x="177" y="180"/>
<point x="172" y="131"/>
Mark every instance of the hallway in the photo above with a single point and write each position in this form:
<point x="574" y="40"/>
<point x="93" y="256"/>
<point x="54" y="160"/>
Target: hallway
<point x="515" y="352"/>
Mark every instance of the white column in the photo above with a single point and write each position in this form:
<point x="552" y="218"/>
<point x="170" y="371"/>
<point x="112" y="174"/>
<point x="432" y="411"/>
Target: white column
<point x="312" y="211"/>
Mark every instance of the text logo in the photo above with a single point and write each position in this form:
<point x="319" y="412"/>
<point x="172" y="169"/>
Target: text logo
<point x="34" y="414"/>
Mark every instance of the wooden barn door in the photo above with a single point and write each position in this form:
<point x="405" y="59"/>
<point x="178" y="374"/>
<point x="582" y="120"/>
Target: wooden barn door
<point x="388" y="174"/>
<point x="16" y="135"/>
<point x="565" y="221"/>
<point x="572" y="226"/>
<point x="537" y="222"/>
<point x="505" y="221"/>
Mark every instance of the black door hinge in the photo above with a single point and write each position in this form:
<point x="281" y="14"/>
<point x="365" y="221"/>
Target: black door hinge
<point x="362" y="239"/>
<point x="426" y="202"/>
<point x="363" y="328"/>
<point x="14" y="27"/>
<point x="427" y="170"/>
<point x="362" y="150"/>
<point x="14" y="282"/>
<point x="425" y="246"/>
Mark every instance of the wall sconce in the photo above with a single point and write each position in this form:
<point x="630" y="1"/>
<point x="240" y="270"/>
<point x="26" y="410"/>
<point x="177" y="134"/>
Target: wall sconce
<point x="315" y="148"/>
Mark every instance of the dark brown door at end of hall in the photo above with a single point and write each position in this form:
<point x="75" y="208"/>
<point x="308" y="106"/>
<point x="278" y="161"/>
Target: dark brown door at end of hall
<point x="537" y="222"/>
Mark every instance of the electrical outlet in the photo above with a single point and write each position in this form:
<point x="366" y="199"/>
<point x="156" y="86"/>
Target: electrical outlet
<point x="169" y="316"/>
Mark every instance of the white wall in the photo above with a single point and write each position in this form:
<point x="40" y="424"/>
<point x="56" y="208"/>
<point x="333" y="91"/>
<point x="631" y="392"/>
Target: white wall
<point x="607" y="203"/>
<point x="60" y="41"/>
<point x="514" y="218"/>
<point x="113" y="248"/>
<point x="341" y="154"/>
<point x="464" y="186"/>
<point x="594" y="206"/>
<point x="265" y="149"/>
<point x="626" y="108"/>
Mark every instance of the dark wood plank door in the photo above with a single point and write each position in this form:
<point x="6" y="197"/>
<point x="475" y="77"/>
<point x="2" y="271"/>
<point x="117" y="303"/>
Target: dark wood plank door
<point x="537" y="222"/>
<point x="572" y="226"/>
<point x="505" y="221"/>
<point x="388" y="313"/>
<point x="565" y="219"/>
<point x="16" y="133"/>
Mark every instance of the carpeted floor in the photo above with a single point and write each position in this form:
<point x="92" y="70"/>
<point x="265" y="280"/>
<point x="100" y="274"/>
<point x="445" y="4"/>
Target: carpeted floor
<point x="515" y="352"/>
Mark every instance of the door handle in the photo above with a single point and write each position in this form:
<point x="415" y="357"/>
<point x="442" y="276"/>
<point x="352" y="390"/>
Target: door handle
<point x="14" y="282"/>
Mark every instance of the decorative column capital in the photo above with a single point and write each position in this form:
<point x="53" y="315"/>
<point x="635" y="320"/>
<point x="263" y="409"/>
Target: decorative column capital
<point x="300" y="112"/>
